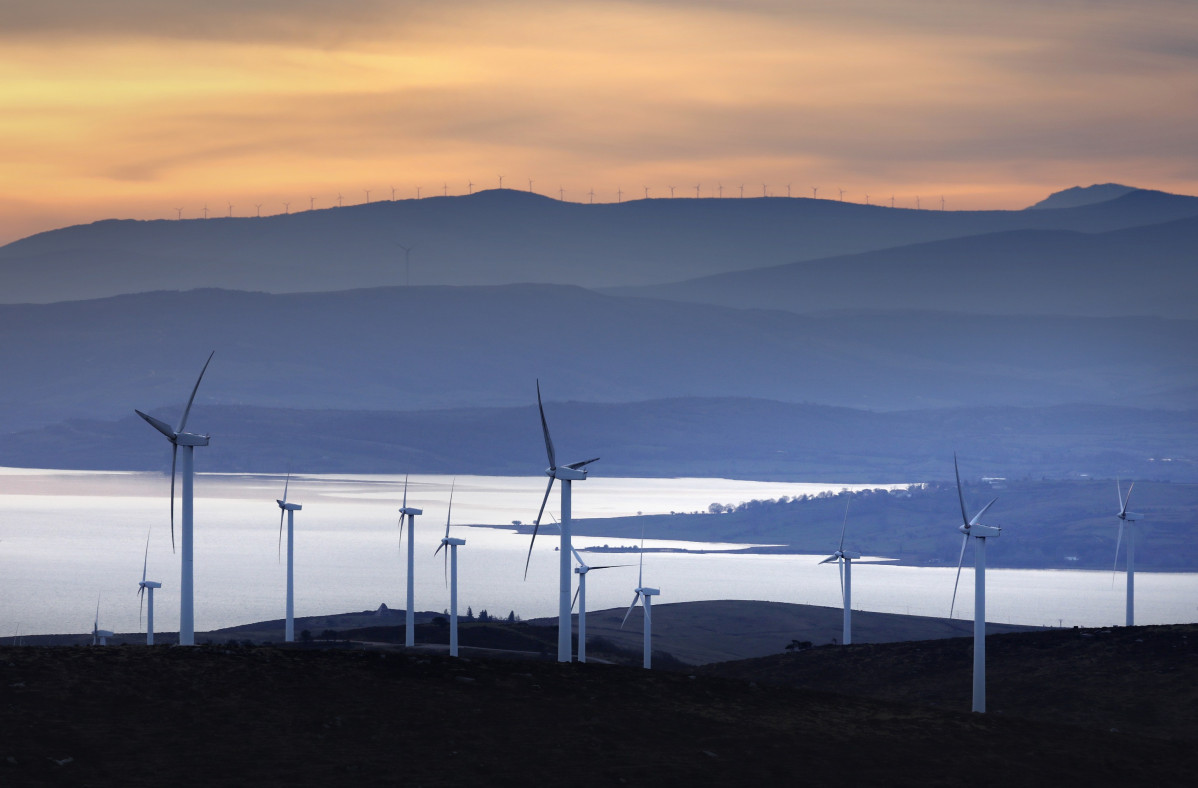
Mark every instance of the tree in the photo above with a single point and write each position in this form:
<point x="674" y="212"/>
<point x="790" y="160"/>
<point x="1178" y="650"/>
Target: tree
<point x="469" y="613"/>
<point x="511" y="616"/>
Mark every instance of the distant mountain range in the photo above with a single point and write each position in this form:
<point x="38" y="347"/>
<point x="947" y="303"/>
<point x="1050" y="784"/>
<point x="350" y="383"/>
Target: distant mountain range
<point x="450" y="347"/>
<point x="730" y="437"/>
<point x="761" y="338"/>
<point x="507" y="237"/>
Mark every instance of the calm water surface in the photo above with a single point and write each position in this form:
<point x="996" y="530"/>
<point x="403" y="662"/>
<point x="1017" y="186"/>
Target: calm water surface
<point x="67" y="538"/>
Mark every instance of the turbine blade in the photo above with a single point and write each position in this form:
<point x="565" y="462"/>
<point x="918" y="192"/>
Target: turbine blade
<point x="960" y="495"/>
<point x="840" y="566"/>
<point x="449" y="512"/>
<point x="145" y="561"/>
<point x="1127" y="499"/>
<point x="282" y="512"/>
<point x="960" y="559"/>
<point x="578" y="557"/>
<point x="401" y="519"/>
<point x="191" y="399"/>
<point x="157" y="424"/>
<point x="545" y="428"/>
<point x="1119" y="490"/>
<point x="141" y="605"/>
<point x="577" y="591"/>
<point x="978" y="516"/>
<point x="576" y="465"/>
<point x="174" y="460"/>
<point x="635" y="599"/>
<point x="286" y="484"/>
<point x="640" y="573"/>
<point x="445" y="567"/>
<point x="1118" y="542"/>
<point x="844" y="524"/>
<point x="536" y="526"/>
<point x="405" y="491"/>
<point x="830" y="559"/>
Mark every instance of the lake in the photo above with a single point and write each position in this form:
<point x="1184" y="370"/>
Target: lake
<point x="68" y="537"/>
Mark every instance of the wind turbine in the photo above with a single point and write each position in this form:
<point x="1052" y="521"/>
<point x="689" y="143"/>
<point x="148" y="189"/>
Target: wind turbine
<point x="410" y="612"/>
<point x="644" y="595"/>
<point x="844" y="559"/>
<point x="575" y="471"/>
<point x="99" y="636"/>
<point x="141" y="593"/>
<point x="972" y="527"/>
<point x="580" y="597"/>
<point x="1129" y="519"/>
<point x="178" y="437"/>
<point x="452" y="556"/>
<point x="288" y="509"/>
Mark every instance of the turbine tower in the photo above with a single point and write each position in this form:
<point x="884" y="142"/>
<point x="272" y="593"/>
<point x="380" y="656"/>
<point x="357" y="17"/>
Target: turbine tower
<point x="645" y="596"/>
<point x="567" y="474"/>
<point x="1127" y="519"/>
<point x="452" y="556"/>
<point x="99" y="636"/>
<point x="288" y="509"/>
<point x="410" y="611"/>
<point x="980" y="533"/>
<point x="141" y="594"/>
<point x="188" y="440"/>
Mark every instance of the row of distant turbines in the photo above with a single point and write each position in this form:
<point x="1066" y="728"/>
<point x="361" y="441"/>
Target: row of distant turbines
<point x="567" y="474"/>
<point x="697" y="191"/>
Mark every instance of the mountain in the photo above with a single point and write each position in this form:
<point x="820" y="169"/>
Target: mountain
<point x="505" y="237"/>
<point x="1078" y="195"/>
<point x="1146" y="270"/>
<point x="700" y="437"/>
<point x="422" y="348"/>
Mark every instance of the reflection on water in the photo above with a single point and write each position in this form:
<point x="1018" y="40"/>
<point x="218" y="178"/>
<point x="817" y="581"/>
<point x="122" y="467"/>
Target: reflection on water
<point x="66" y="537"/>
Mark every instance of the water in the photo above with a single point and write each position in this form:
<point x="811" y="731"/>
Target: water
<point x="68" y="537"/>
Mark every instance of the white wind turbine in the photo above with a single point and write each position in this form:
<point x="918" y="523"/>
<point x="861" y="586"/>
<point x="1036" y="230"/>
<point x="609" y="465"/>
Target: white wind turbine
<point x="141" y="593"/>
<point x="575" y="471"/>
<point x="580" y="597"/>
<point x="845" y="559"/>
<point x="178" y="437"/>
<point x="980" y="533"/>
<point x="1127" y="519"/>
<point x="288" y="509"/>
<point x="645" y="595"/>
<point x="410" y="611"/>
<point x="99" y="636"/>
<point x="452" y="557"/>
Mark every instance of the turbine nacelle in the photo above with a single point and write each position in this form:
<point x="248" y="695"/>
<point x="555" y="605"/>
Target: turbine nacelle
<point x="150" y="584"/>
<point x="571" y="473"/>
<point x="980" y="531"/>
<point x="411" y="510"/>
<point x="648" y="591"/>
<point x="288" y="507"/>
<point x="453" y="541"/>
<point x="190" y="439"/>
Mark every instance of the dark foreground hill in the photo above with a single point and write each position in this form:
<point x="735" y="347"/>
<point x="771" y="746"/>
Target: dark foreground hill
<point x="266" y="715"/>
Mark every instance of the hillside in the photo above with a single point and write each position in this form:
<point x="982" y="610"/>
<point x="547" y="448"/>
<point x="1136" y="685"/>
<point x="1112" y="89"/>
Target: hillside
<point x="1067" y="708"/>
<point x="440" y="347"/>
<point x="504" y="237"/>
<point x="1147" y="270"/>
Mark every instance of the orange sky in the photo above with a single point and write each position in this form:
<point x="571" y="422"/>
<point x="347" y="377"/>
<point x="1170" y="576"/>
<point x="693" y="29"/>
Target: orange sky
<point x="139" y="108"/>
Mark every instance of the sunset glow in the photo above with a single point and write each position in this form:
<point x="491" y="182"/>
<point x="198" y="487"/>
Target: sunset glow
<point x="137" y="109"/>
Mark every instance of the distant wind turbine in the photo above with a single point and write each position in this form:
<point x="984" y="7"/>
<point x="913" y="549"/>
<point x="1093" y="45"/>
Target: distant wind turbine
<point x="444" y="189"/>
<point x="1127" y="519"/>
<point x="501" y="181"/>
<point x="286" y="208"/>
<point x="697" y="185"/>
<point x="392" y="194"/>
<point x="942" y="202"/>
<point x="141" y="593"/>
<point x="230" y="210"/>
<point x="980" y="533"/>
<point x="339" y="199"/>
<point x="530" y="184"/>
<point x="561" y="193"/>
<point x="567" y="474"/>
<point x="407" y="264"/>
<point x="258" y="209"/>
<point x="367" y="196"/>
<point x="867" y="199"/>
<point x="178" y="213"/>
<point x="844" y="559"/>
<point x="452" y="555"/>
<point x="99" y="636"/>
<point x="917" y="202"/>
<point x="205" y="210"/>
<point x="417" y="192"/>
<point x="742" y="191"/>
<point x="765" y="190"/>
<point x="814" y="192"/>
<point x="720" y="190"/>
<point x="580" y="599"/>
<point x="289" y="509"/>
<point x="410" y="608"/>
<point x="646" y="192"/>
<point x="591" y="193"/>
<point x="644" y="595"/>
<point x="470" y="187"/>
<point x="178" y="437"/>
<point x="619" y="194"/>
<point x="311" y="203"/>
<point x="788" y="190"/>
<point x="841" y="194"/>
<point x="671" y="192"/>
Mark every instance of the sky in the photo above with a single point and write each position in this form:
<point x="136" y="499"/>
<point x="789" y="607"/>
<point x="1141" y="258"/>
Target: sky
<point x="156" y="109"/>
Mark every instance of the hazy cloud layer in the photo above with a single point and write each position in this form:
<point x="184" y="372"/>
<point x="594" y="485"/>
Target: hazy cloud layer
<point x="133" y="107"/>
